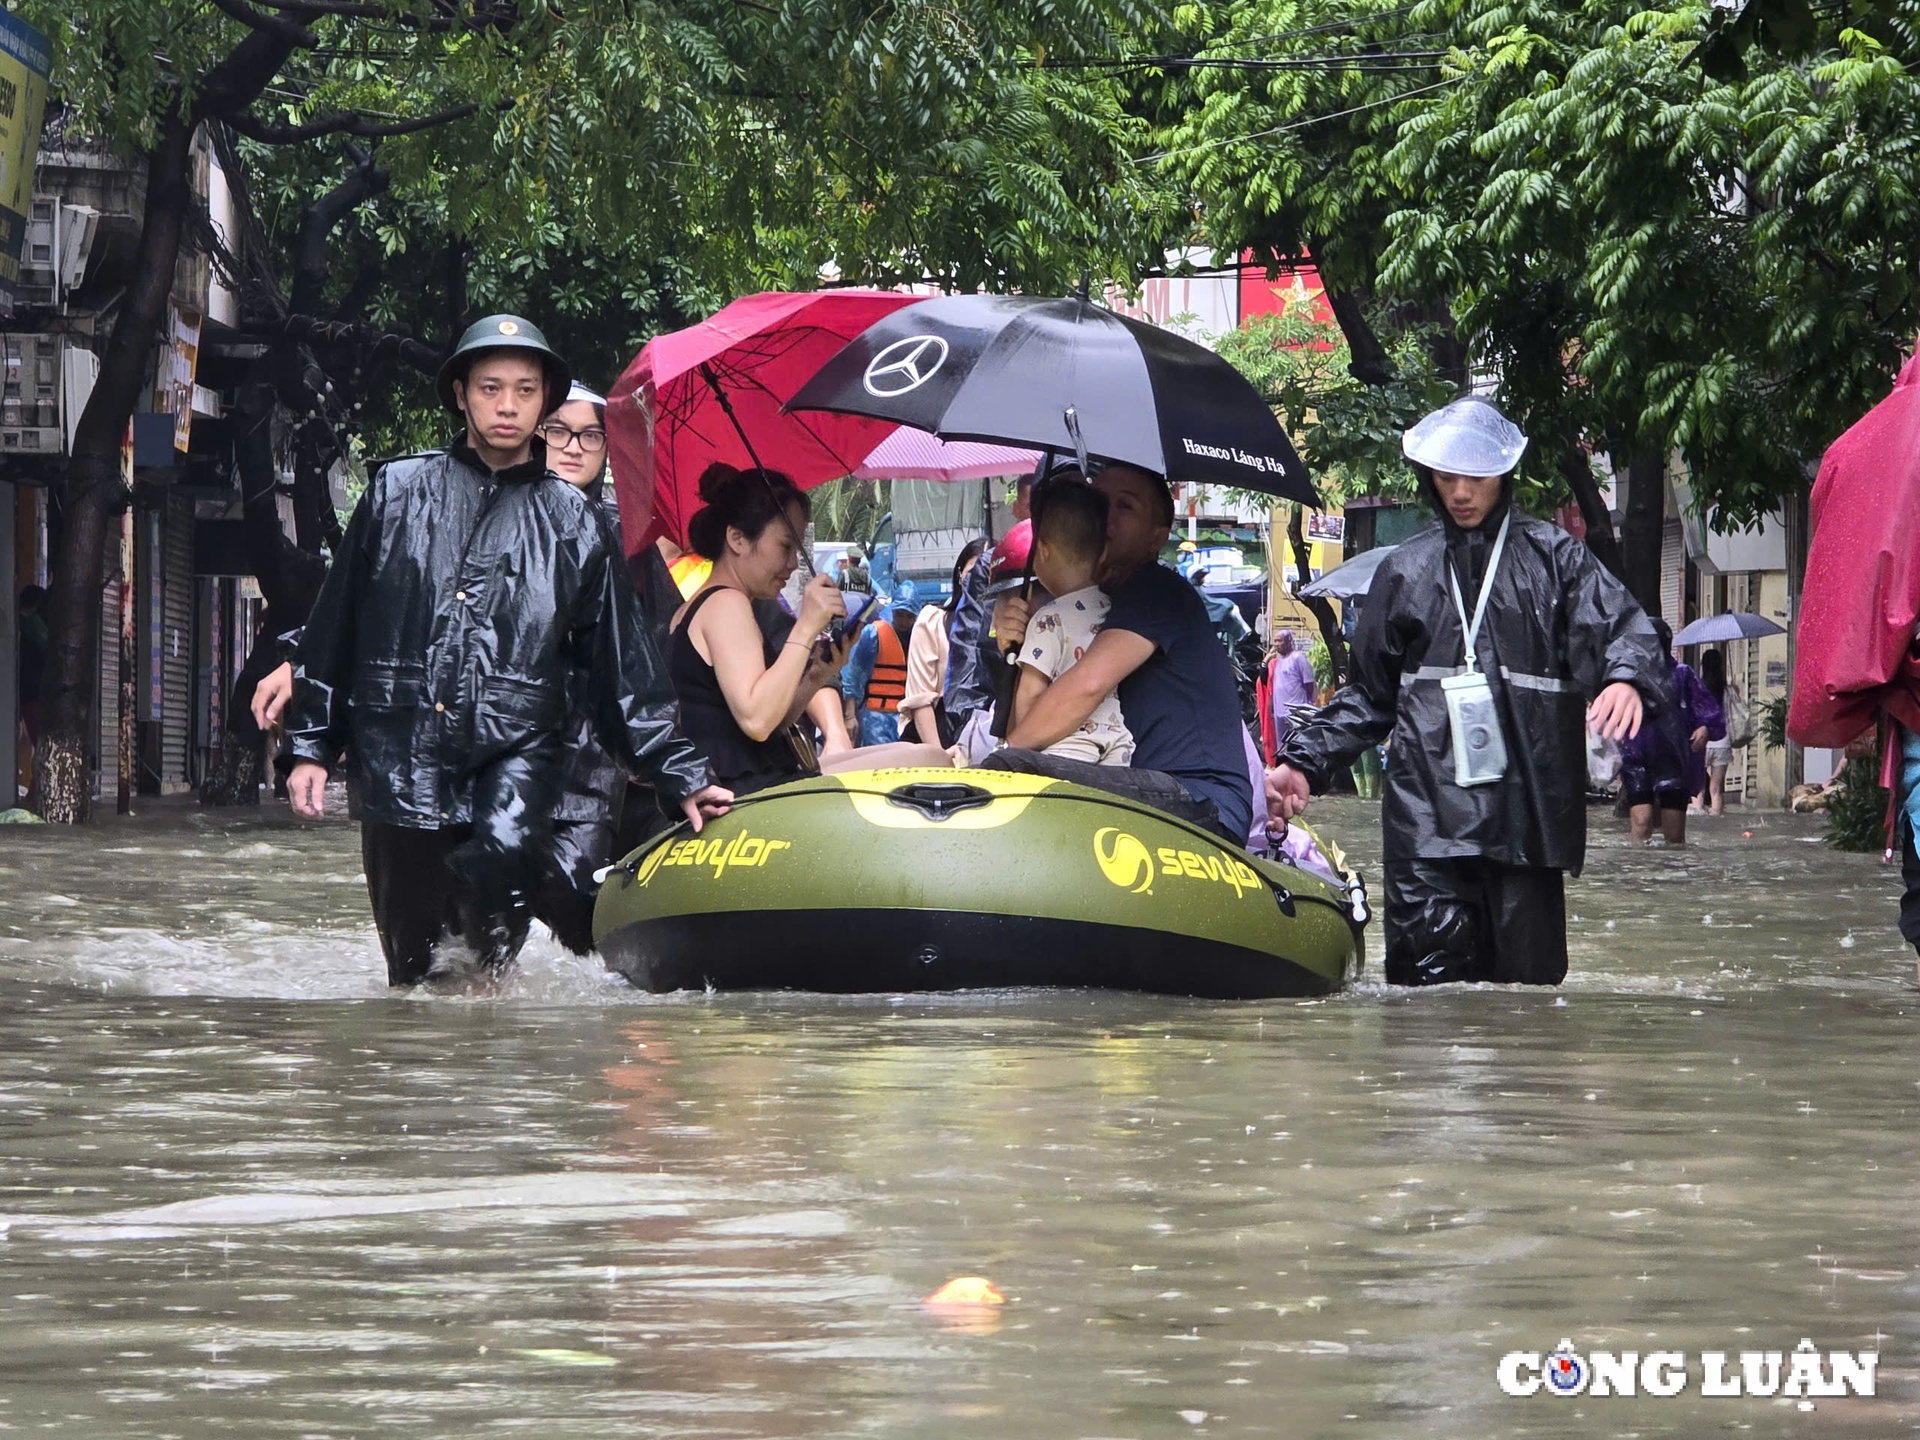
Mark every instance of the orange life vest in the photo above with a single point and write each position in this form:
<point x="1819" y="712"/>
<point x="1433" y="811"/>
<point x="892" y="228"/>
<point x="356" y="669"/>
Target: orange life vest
<point x="888" y="687"/>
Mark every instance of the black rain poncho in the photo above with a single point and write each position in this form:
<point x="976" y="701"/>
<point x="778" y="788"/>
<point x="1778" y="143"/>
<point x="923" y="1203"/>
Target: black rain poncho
<point x="440" y="650"/>
<point x="595" y="783"/>
<point x="1558" y="630"/>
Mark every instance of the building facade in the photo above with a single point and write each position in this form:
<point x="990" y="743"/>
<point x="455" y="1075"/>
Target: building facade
<point x="193" y="608"/>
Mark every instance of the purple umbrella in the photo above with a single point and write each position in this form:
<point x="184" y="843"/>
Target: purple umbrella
<point x="1731" y="625"/>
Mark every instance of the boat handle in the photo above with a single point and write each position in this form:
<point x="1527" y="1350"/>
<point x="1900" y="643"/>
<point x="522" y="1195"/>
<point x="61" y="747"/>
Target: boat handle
<point x="939" y="800"/>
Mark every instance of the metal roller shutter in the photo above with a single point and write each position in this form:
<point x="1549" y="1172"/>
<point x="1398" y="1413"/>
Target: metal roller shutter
<point x="176" y="641"/>
<point x="106" y="751"/>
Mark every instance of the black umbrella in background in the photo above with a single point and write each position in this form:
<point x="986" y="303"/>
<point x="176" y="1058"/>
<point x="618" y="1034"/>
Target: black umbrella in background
<point x="1018" y="371"/>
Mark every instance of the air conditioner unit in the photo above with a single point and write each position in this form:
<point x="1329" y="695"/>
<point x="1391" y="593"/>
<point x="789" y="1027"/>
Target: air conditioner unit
<point x="79" y="368"/>
<point x="40" y="250"/>
<point x="30" y="440"/>
<point x="78" y="225"/>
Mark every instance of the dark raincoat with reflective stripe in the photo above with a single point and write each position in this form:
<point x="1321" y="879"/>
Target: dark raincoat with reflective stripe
<point x="1558" y="630"/>
<point x="440" y="648"/>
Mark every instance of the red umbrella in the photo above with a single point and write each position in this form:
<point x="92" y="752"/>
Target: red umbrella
<point x="714" y="391"/>
<point x="1853" y="656"/>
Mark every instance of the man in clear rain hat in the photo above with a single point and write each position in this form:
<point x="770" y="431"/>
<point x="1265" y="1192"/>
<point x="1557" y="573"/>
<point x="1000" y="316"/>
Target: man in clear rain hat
<point x="1482" y="641"/>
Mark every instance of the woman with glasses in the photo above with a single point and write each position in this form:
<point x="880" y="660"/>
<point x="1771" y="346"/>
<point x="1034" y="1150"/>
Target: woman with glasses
<point x="598" y="817"/>
<point x="576" y="436"/>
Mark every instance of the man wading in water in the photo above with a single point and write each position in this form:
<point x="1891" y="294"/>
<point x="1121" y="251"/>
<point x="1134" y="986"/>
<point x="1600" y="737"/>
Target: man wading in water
<point x="470" y="582"/>
<point x="1479" y="642"/>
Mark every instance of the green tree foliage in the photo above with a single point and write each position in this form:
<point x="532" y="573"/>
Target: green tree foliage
<point x="1348" y="433"/>
<point x="1857" y="816"/>
<point x="637" y="166"/>
<point x="620" y="162"/>
<point x="1658" y="232"/>
<point x="850" y="509"/>
<point x="1278" y="120"/>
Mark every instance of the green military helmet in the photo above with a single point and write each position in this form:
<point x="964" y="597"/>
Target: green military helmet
<point x="502" y="332"/>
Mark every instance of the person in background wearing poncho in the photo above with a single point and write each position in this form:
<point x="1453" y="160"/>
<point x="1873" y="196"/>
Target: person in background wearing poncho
<point x="1482" y="638"/>
<point x="1290" y="675"/>
<point x="1663" y="766"/>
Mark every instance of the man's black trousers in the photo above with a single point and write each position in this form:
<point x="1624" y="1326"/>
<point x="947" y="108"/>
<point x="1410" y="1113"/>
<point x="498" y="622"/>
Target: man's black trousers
<point x="428" y="885"/>
<point x="1474" y="919"/>
<point x="1909" y="872"/>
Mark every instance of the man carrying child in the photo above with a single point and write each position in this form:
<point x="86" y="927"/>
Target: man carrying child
<point x="1158" y="653"/>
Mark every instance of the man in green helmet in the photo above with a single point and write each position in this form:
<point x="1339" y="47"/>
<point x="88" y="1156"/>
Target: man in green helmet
<point x="469" y="584"/>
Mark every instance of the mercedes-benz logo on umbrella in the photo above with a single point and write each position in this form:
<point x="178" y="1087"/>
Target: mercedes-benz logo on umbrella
<point x="905" y="366"/>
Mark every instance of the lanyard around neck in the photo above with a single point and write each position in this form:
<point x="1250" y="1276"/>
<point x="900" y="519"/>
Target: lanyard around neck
<point x="1486" y="588"/>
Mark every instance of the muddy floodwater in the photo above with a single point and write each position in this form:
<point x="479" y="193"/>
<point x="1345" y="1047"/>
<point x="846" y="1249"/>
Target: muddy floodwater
<point x="245" y="1191"/>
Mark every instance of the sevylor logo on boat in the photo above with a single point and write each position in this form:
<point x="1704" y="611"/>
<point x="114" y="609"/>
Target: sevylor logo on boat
<point x="1123" y="860"/>
<point x="743" y="851"/>
<point x="1126" y="862"/>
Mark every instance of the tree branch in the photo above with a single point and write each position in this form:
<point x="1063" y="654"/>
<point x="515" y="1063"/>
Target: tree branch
<point x="236" y="82"/>
<point x="287" y="30"/>
<point x="1576" y="468"/>
<point x="311" y="263"/>
<point x="1369" y="365"/>
<point x="484" y="17"/>
<point x="346" y="122"/>
<point x="360" y="9"/>
<point x="422" y="357"/>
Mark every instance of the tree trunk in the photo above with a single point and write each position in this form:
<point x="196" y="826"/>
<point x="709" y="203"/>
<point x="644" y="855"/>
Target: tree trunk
<point x="458" y="306"/>
<point x="1321" y="610"/>
<point x="93" y="495"/>
<point x="1449" y="352"/>
<point x="1799" y="527"/>
<point x="1644" y="528"/>
<point x="1369" y="364"/>
<point x="1577" y="468"/>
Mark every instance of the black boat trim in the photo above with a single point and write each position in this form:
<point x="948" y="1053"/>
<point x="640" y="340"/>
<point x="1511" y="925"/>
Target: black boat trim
<point x="889" y="951"/>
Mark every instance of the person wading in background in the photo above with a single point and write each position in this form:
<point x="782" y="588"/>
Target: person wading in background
<point x="469" y="584"/>
<point x="1663" y="767"/>
<point x="1480" y="640"/>
<point x="875" y="679"/>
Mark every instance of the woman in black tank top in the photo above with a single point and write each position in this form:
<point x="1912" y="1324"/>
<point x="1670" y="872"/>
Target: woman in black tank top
<point x="740" y="693"/>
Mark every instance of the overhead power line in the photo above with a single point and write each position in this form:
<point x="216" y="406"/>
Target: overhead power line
<point x="1415" y="60"/>
<point x="1299" y="124"/>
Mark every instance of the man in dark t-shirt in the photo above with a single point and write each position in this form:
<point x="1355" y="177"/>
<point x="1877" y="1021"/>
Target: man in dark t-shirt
<point x="1158" y="648"/>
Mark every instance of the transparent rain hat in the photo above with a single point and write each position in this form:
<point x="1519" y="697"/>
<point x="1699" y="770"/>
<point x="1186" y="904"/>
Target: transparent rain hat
<point x="581" y="392"/>
<point x="1468" y="437"/>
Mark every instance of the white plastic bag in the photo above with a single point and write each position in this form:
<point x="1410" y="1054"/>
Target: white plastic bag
<point x="1603" y="762"/>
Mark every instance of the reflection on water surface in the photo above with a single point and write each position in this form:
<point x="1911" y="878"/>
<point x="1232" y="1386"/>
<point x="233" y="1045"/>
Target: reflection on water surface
<point x="244" y="1190"/>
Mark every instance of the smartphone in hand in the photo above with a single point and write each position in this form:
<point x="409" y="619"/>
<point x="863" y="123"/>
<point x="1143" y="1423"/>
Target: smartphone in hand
<point x="860" y="610"/>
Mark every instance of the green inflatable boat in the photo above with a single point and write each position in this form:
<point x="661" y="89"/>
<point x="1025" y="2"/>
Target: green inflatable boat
<point x="901" y="880"/>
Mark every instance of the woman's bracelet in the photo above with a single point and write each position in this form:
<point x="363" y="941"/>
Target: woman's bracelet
<point x="803" y="644"/>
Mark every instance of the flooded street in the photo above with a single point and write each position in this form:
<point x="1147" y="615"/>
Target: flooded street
<point x="245" y="1190"/>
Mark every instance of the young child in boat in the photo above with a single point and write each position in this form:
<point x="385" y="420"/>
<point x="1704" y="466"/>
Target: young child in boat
<point x="1069" y="532"/>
